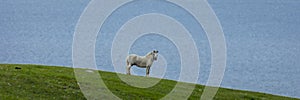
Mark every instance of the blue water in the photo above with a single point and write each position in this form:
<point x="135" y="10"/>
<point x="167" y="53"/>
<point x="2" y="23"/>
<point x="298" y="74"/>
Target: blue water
<point x="262" y="38"/>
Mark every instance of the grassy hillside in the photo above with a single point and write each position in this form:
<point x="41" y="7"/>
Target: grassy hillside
<point x="50" y="82"/>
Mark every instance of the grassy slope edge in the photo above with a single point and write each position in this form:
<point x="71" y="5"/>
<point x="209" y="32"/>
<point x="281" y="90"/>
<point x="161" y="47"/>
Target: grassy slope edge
<point x="52" y="82"/>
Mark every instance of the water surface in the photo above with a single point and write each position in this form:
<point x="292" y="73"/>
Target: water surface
<point x="262" y="39"/>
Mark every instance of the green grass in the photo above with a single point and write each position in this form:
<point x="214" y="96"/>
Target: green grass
<point x="59" y="83"/>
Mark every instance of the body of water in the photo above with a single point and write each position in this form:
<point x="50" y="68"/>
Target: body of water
<point x="262" y="38"/>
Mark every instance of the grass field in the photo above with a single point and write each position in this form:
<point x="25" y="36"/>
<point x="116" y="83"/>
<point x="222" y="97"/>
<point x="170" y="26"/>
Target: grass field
<point x="19" y="81"/>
